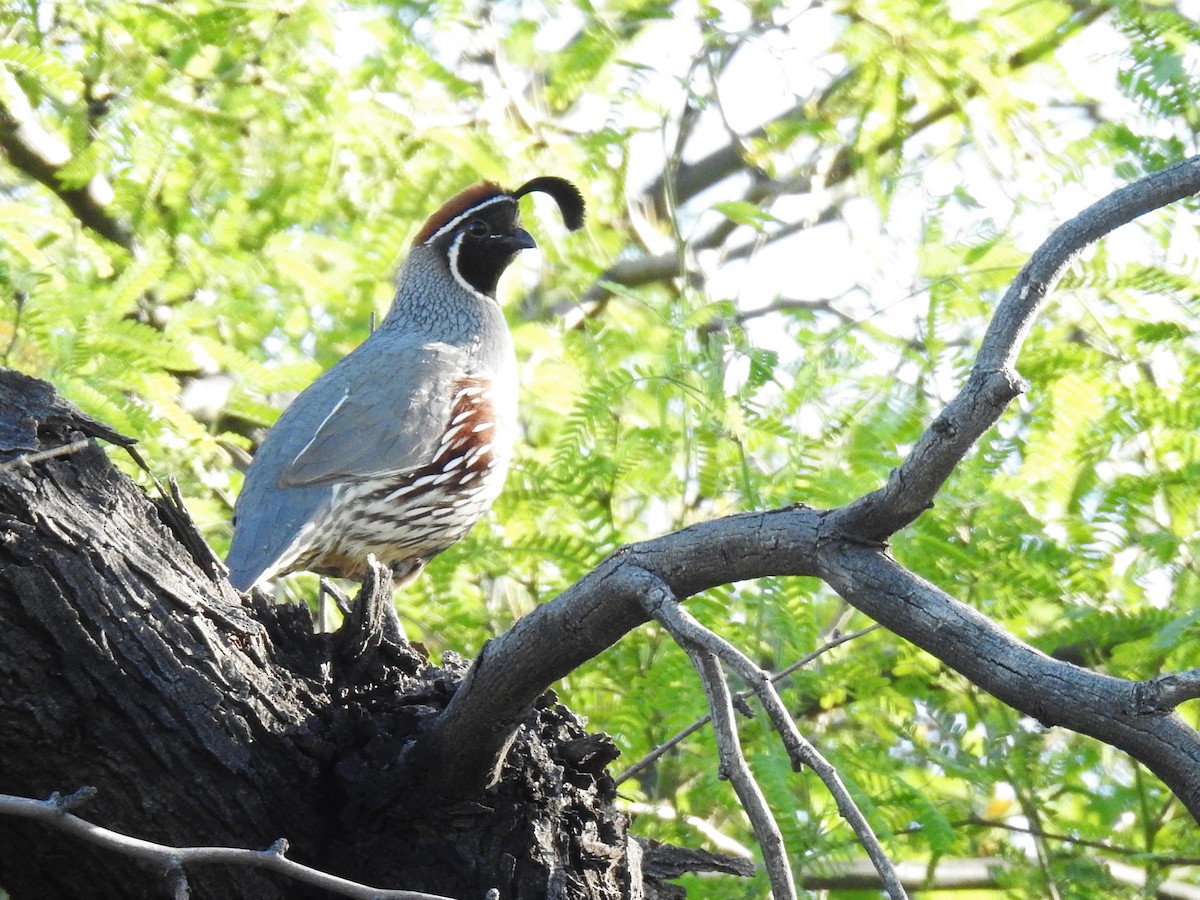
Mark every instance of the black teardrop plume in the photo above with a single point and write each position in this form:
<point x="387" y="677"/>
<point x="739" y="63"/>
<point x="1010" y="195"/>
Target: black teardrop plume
<point x="566" y="195"/>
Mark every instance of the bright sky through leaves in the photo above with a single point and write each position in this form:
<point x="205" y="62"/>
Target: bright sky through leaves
<point x="273" y="161"/>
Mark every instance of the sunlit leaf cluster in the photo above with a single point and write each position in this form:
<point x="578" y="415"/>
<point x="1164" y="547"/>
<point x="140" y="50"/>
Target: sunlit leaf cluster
<point x="273" y="160"/>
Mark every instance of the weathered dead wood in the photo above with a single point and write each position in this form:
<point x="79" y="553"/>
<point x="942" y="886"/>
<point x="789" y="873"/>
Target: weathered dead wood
<point x="206" y="718"/>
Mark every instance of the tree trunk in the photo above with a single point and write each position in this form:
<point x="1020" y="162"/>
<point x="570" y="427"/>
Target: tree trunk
<point x="204" y="717"/>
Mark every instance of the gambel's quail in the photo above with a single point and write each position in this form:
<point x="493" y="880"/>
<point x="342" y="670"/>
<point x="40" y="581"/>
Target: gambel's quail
<point x="400" y="448"/>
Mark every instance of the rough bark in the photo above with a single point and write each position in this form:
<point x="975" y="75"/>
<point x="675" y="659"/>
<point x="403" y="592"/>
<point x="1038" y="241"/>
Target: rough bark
<point x="207" y="718"/>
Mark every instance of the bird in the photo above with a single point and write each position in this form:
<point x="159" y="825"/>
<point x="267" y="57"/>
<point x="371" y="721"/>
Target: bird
<point x="400" y="447"/>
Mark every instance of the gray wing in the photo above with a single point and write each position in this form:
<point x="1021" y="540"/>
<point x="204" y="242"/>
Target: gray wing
<point x="372" y="413"/>
<point x="389" y="418"/>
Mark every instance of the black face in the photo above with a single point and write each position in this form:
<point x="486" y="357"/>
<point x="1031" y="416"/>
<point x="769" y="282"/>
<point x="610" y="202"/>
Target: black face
<point x="480" y="246"/>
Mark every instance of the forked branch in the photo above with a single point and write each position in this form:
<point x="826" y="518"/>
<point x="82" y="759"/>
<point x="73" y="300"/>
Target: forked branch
<point x="674" y="740"/>
<point x="705" y="647"/>
<point x="732" y="765"/>
<point x="845" y="547"/>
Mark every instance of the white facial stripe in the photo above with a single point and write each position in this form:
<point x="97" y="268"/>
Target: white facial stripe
<point x="449" y="226"/>
<point x="453" y="259"/>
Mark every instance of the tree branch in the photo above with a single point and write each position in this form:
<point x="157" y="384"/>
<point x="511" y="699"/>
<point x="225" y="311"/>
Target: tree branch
<point x="654" y="755"/>
<point x="1047" y="689"/>
<point x="643" y="270"/>
<point x="54" y="812"/>
<point x="844" y="547"/>
<point x="733" y="766"/>
<point x="690" y="179"/>
<point x="705" y="647"/>
<point x="1166" y="692"/>
<point x="1075" y="841"/>
<point x="513" y="669"/>
<point x="993" y="381"/>
<point x="41" y="155"/>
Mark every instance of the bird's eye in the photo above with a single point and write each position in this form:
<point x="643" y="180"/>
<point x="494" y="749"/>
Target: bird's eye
<point x="478" y="228"/>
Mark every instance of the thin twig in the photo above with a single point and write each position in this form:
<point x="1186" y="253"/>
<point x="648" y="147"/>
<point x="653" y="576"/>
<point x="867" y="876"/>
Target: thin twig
<point x="29" y="459"/>
<point x="1115" y="849"/>
<point x="654" y="755"/>
<point x="786" y="304"/>
<point x="684" y="627"/>
<point x="734" y="767"/>
<point x="54" y="811"/>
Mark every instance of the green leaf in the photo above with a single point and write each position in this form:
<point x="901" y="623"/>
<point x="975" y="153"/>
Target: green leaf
<point x="46" y="68"/>
<point x="747" y="214"/>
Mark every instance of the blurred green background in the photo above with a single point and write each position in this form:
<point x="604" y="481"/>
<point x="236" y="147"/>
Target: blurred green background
<point x="851" y="187"/>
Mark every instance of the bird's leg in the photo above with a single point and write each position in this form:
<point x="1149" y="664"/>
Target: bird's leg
<point x="405" y="573"/>
<point x="327" y="588"/>
<point x="375" y="609"/>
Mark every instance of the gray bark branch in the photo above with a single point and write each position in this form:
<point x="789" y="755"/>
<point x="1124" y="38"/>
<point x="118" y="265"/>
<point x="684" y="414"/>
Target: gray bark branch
<point x="845" y="547"/>
<point x="993" y="380"/>
<point x="700" y="647"/>
<point x="41" y="156"/>
<point x="705" y="647"/>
